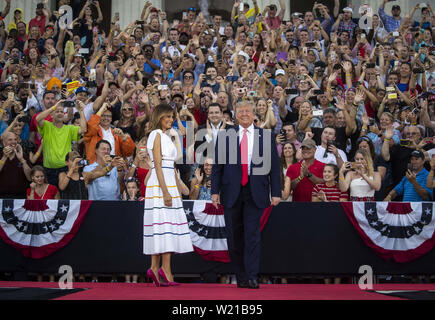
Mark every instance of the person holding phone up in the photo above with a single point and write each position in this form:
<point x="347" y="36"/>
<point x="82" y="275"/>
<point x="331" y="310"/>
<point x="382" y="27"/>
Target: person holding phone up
<point x="57" y="138"/>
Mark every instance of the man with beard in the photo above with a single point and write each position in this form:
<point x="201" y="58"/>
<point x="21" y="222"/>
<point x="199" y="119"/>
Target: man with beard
<point x="391" y="23"/>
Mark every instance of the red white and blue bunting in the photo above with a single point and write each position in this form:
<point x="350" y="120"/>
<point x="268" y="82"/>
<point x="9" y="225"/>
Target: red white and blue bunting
<point x="38" y="228"/>
<point x="401" y="232"/>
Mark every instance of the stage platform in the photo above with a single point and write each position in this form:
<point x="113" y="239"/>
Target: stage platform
<point x="147" y="291"/>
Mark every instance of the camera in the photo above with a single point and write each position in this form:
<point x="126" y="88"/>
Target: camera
<point x="83" y="163"/>
<point x="24" y="119"/>
<point x="68" y="104"/>
<point x="291" y="91"/>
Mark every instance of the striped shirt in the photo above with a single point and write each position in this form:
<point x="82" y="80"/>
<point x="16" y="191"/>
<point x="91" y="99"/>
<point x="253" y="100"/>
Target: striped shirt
<point x="333" y="194"/>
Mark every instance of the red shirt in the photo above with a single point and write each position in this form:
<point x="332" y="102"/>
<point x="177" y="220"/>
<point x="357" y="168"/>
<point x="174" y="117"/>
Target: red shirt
<point x="333" y="193"/>
<point x="303" y="191"/>
<point x="49" y="194"/>
<point x="141" y="175"/>
<point x="40" y="24"/>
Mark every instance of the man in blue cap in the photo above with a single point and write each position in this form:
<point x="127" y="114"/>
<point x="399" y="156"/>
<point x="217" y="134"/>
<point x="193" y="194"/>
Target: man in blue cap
<point x="82" y="94"/>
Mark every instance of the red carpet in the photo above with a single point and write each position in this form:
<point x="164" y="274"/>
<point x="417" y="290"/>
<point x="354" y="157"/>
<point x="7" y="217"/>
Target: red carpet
<point x="145" y="291"/>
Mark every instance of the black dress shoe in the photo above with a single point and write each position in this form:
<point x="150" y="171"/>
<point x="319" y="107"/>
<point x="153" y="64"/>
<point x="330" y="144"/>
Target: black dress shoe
<point x="253" y="284"/>
<point x="242" y="284"/>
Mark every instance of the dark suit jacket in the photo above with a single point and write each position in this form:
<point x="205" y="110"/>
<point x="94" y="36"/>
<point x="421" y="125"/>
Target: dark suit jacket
<point x="226" y="177"/>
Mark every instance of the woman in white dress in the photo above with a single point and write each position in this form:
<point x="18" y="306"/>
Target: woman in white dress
<point x="361" y="178"/>
<point x="165" y="224"/>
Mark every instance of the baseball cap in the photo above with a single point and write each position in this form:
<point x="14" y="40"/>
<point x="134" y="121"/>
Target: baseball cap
<point x="395" y="7"/>
<point x="81" y="89"/>
<point x="279" y="71"/>
<point x="308" y="143"/>
<point x="348" y="9"/>
<point x="417" y="154"/>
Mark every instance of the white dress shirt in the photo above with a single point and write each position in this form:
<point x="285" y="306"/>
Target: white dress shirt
<point x="214" y="131"/>
<point x="320" y="152"/>
<point x="250" y="136"/>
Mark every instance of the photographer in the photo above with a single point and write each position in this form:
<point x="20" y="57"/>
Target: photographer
<point x="57" y="138"/>
<point x="327" y="152"/>
<point x="106" y="187"/>
<point x="73" y="183"/>
<point x="413" y="186"/>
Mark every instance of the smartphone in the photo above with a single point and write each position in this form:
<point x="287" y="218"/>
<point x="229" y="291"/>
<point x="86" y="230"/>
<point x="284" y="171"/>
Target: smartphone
<point x="68" y="104"/>
<point x="139" y="22"/>
<point x="84" y="50"/>
<point x="370" y="65"/>
<point x="241" y="7"/>
<point x="282" y="132"/>
<point x="232" y="78"/>
<point x="317" y="92"/>
<point x="207" y="77"/>
<point x="363" y="36"/>
<point x="291" y="91"/>
<point x="405" y="142"/>
<point x="354" y="165"/>
<point x="318" y="113"/>
<point x="162" y="87"/>
<point x="310" y="44"/>
<point x="11" y="96"/>
<point x="395" y="34"/>
<point x="392" y="96"/>
<point x="252" y="94"/>
<point x="305" y="50"/>
<point x="417" y="70"/>
<point x="415" y="111"/>
<point x="415" y="29"/>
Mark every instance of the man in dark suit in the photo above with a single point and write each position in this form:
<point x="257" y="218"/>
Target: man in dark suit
<point x="207" y="134"/>
<point x="245" y="174"/>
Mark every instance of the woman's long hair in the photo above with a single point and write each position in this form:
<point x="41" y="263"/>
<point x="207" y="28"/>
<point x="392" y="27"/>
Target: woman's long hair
<point x="282" y="163"/>
<point x="368" y="158"/>
<point x="158" y="113"/>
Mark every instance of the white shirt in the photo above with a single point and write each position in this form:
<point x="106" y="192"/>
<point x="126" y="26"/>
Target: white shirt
<point x="250" y="136"/>
<point x="108" y="136"/>
<point x="214" y="131"/>
<point x="320" y="152"/>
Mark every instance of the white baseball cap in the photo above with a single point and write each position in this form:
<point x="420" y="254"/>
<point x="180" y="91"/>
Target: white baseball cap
<point x="349" y="9"/>
<point x="279" y="71"/>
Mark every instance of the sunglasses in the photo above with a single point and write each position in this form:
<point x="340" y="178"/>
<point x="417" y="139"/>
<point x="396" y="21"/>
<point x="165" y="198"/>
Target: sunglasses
<point x="127" y="109"/>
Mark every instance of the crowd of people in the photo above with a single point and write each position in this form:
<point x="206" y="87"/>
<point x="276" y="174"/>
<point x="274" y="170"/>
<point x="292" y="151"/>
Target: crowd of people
<point x="351" y="108"/>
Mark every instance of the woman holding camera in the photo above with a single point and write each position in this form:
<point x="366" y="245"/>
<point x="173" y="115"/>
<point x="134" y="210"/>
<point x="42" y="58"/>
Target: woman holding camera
<point x="73" y="184"/>
<point x="361" y="178"/>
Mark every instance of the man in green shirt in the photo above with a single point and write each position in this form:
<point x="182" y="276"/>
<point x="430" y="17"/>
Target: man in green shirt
<point x="57" y="138"/>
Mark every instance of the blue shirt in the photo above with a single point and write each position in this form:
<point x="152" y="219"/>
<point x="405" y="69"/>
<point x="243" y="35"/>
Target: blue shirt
<point x="103" y="188"/>
<point x="147" y="68"/>
<point x="406" y="188"/>
<point x="390" y="23"/>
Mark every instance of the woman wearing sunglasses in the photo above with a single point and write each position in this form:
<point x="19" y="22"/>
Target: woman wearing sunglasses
<point x="127" y="121"/>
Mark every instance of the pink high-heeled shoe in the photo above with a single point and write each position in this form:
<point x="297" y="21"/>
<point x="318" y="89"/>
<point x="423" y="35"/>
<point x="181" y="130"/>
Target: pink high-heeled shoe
<point x="150" y="274"/>
<point x="167" y="282"/>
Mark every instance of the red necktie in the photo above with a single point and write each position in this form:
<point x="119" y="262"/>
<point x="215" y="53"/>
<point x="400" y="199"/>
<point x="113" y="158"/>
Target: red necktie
<point x="244" y="157"/>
